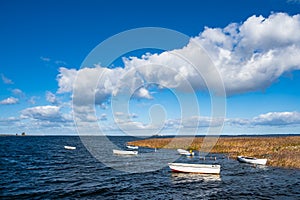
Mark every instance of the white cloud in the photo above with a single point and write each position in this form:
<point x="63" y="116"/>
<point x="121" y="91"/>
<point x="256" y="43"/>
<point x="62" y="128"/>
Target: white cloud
<point x="17" y="91"/>
<point x="200" y="123"/>
<point x="6" y="80"/>
<point x="249" y="57"/>
<point x="86" y="87"/>
<point x="9" y="101"/>
<point x="45" y="59"/>
<point x="32" y="100"/>
<point x="269" y="119"/>
<point x="293" y="1"/>
<point x="84" y="113"/>
<point x="193" y="122"/>
<point x="277" y="118"/>
<point x="50" y="97"/>
<point x="103" y="117"/>
<point x="238" y="122"/>
<point x="66" y="79"/>
<point x="128" y="125"/>
<point x="44" y="113"/>
<point x="143" y="93"/>
<point x="123" y="117"/>
<point x="103" y="106"/>
<point x="252" y="55"/>
<point x="10" y="121"/>
<point x="133" y="115"/>
<point x="60" y="62"/>
<point x="118" y="114"/>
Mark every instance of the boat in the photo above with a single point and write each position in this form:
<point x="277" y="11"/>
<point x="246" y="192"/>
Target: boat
<point x="251" y="160"/>
<point x="132" y="147"/>
<point x="185" y="152"/>
<point x="69" y="147"/>
<point x="121" y="152"/>
<point x="195" y="168"/>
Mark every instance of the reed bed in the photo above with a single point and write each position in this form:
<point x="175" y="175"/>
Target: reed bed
<point x="280" y="151"/>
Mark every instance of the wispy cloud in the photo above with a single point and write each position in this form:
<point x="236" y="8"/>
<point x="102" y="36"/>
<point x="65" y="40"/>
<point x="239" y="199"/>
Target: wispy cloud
<point x="10" y="121"/>
<point x="293" y="1"/>
<point x="52" y="61"/>
<point x="60" y="62"/>
<point x="18" y="92"/>
<point x="51" y="98"/>
<point x="269" y="119"/>
<point x="32" y="100"/>
<point x="103" y="117"/>
<point x="9" y="101"/>
<point x="45" y="59"/>
<point x="6" y="80"/>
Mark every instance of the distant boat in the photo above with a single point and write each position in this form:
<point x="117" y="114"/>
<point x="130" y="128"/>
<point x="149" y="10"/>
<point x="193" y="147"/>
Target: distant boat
<point x="251" y="160"/>
<point x="120" y="152"/>
<point x="195" y="168"/>
<point x="185" y="152"/>
<point x="69" y="147"/>
<point x="131" y="147"/>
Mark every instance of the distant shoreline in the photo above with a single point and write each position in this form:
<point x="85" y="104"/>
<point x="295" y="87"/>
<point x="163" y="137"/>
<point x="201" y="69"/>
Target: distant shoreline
<point x="281" y="151"/>
<point x="167" y="136"/>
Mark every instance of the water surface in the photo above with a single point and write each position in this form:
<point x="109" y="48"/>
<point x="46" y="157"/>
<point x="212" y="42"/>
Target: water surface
<point x="40" y="168"/>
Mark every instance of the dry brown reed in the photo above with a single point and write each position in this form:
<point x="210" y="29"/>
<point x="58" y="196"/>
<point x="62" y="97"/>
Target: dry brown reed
<point x="280" y="151"/>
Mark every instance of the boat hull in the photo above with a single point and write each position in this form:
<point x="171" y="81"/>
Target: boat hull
<point x="185" y="152"/>
<point x="251" y="160"/>
<point x="195" y="168"/>
<point x="120" y="152"/>
<point x="69" y="147"/>
<point x="132" y="147"/>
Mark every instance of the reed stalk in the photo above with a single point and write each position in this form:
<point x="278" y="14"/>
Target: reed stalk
<point x="280" y="151"/>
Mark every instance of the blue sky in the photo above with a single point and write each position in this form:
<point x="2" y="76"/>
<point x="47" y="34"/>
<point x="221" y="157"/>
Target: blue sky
<point x="253" y="44"/>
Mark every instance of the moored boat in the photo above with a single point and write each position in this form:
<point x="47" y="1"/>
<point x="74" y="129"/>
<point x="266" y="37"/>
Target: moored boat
<point x="69" y="147"/>
<point x="251" y="160"/>
<point x="185" y="152"/>
<point x="195" y="168"/>
<point x="132" y="147"/>
<point x="121" y="152"/>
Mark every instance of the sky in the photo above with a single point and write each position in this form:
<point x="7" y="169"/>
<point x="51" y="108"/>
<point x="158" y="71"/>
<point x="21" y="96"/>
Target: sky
<point x="228" y="67"/>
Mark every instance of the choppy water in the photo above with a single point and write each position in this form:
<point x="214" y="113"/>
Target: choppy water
<point x="40" y="168"/>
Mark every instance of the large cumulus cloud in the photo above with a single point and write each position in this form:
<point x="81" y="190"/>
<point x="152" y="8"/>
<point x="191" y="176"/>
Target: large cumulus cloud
<point x="249" y="56"/>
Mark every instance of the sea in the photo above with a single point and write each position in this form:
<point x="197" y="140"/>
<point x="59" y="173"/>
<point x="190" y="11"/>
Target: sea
<point x="39" y="167"/>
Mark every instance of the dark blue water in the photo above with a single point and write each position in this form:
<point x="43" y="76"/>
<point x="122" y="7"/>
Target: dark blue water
<point x="40" y="168"/>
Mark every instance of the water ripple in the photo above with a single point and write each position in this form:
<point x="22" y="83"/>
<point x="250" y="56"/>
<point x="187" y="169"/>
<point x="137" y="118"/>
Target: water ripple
<point x="40" y="168"/>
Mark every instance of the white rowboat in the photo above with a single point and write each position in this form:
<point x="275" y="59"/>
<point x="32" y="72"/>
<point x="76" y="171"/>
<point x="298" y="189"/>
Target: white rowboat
<point x="132" y="147"/>
<point x="195" y="168"/>
<point x="120" y="152"/>
<point x="185" y="152"/>
<point x="251" y="160"/>
<point x="69" y="147"/>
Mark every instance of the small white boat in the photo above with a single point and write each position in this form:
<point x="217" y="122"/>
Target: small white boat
<point x="69" y="147"/>
<point x="195" y="168"/>
<point x="120" y="152"/>
<point x="132" y="147"/>
<point x="185" y="152"/>
<point x="251" y="160"/>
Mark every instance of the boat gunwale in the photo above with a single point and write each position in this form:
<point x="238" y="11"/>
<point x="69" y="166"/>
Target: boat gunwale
<point x="214" y="166"/>
<point x="124" y="152"/>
